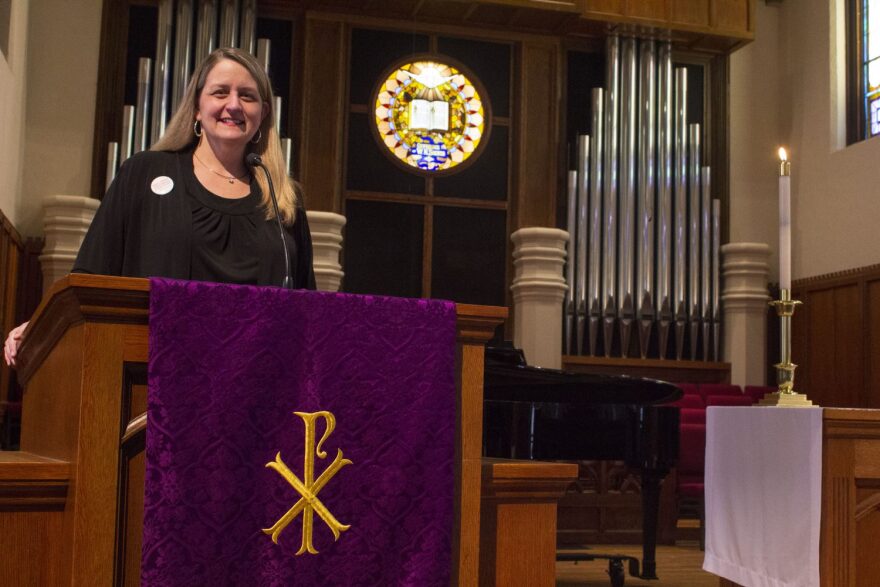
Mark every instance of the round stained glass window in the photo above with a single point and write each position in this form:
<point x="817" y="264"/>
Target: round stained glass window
<point x="430" y="115"/>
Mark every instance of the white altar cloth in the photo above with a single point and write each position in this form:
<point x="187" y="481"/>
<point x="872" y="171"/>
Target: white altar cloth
<point x="763" y="495"/>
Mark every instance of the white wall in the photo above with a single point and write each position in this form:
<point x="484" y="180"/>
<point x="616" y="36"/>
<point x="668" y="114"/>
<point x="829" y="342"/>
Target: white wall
<point x="62" y="76"/>
<point x="13" y="80"/>
<point x="787" y="88"/>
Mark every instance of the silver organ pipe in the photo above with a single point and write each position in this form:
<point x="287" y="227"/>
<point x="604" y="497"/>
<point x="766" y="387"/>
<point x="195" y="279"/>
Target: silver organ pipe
<point x="287" y="154"/>
<point x="162" y="71"/>
<point x="128" y="122"/>
<point x="570" y="314"/>
<point x="694" y="311"/>
<point x="594" y="276"/>
<point x="680" y="211"/>
<point x="112" y="163"/>
<point x="228" y="23"/>
<point x="627" y="197"/>
<point x="665" y="176"/>
<point x="276" y="111"/>
<point x="264" y="47"/>
<point x="183" y="43"/>
<point x="206" y="29"/>
<point x="609" y="259"/>
<point x="646" y="195"/>
<point x="706" y="261"/>
<point x="249" y="26"/>
<point x="643" y="221"/>
<point x="142" y="109"/>
<point x="716" y="279"/>
<point x="583" y="195"/>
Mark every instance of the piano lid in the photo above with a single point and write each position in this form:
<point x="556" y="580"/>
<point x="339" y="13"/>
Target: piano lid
<point x="508" y="378"/>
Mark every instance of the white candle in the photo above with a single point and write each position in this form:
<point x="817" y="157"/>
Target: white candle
<point x="784" y="221"/>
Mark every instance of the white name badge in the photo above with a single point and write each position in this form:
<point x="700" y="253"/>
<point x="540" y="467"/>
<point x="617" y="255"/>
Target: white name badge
<point x="162" y="185"/>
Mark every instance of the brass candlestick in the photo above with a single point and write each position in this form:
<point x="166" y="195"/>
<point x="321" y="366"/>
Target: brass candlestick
<point x="786" y="395"/>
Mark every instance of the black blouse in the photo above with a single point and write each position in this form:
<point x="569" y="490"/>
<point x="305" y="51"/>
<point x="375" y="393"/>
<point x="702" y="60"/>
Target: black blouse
<point x="158" y="220"/>
<point x="226" y="234"/>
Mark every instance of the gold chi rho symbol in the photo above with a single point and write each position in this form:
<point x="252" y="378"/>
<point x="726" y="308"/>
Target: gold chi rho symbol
<point x="309" y="487"/>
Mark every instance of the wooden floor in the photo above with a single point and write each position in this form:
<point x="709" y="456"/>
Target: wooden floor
<point x="677" y="566"/>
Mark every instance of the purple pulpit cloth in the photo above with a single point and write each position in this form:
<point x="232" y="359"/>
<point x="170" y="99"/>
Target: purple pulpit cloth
<point x="229" y="366"/>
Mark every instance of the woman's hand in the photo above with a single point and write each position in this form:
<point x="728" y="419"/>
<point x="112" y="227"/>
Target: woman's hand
<point x="13" y="341"/>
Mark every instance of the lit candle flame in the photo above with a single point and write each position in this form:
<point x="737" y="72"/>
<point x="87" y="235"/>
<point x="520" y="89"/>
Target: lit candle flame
<point x="782" y="154"/>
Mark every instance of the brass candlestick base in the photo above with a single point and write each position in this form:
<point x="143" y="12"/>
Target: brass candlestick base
<point x="786" y="396"/>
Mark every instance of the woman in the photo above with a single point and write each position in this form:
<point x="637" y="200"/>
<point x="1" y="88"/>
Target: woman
<point x="190" y="208"/>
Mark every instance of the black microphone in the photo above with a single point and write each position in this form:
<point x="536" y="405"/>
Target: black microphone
<point x="254" y="160"/>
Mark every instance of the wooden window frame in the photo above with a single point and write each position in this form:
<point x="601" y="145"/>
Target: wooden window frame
<point x="856" y="117"/>
<point x="428" y="200"/>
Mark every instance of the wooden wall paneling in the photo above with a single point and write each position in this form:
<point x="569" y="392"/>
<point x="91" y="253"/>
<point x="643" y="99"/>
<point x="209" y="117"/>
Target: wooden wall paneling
<point x="690" y="12"/>
<point x="608" y="7"/>
<point x="10" y="287"/>
<point x="801" y="333"/>
<point x="648" y="9"/>
<point x="850" y="498"/>
<point x="111" y="88"/>
<point x="32" y="496"/>
<point x="732" y="15"/>
<point x="717" y="115"/>
<point x="536" y="134"/>
<point x="821" y="363"/>
<point x="867" y="531"/>
<point x="836" y="337"/>
<point x="294" y="105"/>
<point x="11" y="267"/>
<point x="28" y="536"/>
<point x="323" y="113"/>
<point x="10" y="251"/>
<point x="848" y="347"/>
<point x="872" y="364"/>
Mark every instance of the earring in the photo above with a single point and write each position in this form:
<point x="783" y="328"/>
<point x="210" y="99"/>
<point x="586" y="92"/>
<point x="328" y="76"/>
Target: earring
<point x="197" y="128"/>
<point x="257" y="137"/>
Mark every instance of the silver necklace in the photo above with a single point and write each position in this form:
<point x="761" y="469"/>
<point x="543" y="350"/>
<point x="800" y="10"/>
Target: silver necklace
<point x="229" y="178"/>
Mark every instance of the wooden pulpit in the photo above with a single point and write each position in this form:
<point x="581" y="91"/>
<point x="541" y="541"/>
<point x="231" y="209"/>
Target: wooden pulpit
<point x="71" y="501"/>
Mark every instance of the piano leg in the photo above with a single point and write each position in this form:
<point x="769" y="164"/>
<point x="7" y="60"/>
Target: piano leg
<point x="650" y="513"/>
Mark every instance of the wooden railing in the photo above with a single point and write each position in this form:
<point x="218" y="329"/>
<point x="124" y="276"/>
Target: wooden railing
<point x="20" y="288"/>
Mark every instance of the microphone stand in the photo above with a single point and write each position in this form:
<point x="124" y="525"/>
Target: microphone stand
<point x="255" y="160"/>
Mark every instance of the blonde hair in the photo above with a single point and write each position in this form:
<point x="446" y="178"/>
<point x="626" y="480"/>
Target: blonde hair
<point x="179" y="134"/>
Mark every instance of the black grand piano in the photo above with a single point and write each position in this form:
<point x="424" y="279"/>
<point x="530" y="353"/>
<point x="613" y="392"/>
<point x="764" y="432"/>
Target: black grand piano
<point x="547" y="414"/>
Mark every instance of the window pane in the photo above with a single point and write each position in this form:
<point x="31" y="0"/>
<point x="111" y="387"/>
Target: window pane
<point x="468" y="257"/>
<point x="383" y="248"/>
<point x="490" y="62"/>
<point x="486" y="178"/>
<point x="374" y="51"/>
<point x="873" y="75"/>
<point x="369" y="169"/>
<point x="872" y="44"/>
<point x="872" y="20"/>
<point x="873" y="117"/>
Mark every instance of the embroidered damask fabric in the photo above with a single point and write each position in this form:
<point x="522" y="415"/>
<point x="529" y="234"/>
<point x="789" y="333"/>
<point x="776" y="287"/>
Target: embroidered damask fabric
<point x="229" y="366"/>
